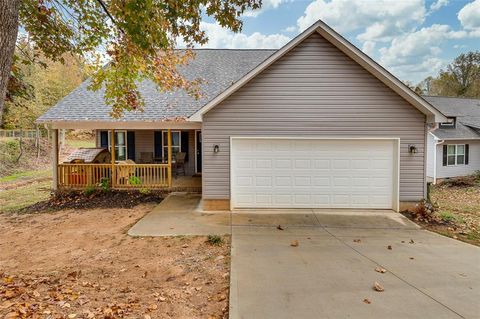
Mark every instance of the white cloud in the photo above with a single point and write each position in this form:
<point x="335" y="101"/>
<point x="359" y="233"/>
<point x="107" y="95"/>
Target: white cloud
<point x="469" y="17"/>
<point x="368" y="47"/>
<point x="223" y="38"/>
<point x="291" y="28"/>
<point x="381" y="20"/>
<point x="416" y="55"/>
<point x="438" y="4"/>
<point x="266" y="5"/>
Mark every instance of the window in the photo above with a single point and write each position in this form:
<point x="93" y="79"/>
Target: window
<point x="176" y="143"/>
<point x="120" y="145"/>
<point x="455" y="154"/>
<point x="449" y="124"/>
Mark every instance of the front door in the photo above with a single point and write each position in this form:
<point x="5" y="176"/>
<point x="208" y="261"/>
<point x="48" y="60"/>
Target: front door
<point x="198" y="153"/>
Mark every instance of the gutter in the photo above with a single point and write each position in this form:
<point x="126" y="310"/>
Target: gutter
<point x="437" y="143"/>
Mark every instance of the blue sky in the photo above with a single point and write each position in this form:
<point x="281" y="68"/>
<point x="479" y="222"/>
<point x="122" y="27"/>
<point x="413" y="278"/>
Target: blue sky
<point x="411" y="38"/>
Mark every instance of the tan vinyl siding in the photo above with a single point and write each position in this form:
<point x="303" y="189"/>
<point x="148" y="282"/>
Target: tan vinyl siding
<point x="314" y="90"/>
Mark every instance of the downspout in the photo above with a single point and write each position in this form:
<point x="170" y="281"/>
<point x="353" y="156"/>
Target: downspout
<point x="435" y="160"/>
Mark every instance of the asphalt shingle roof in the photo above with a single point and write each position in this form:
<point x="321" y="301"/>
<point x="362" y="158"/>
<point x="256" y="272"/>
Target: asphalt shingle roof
<point x="218" y="69"/>
<point x="467" y="113"/>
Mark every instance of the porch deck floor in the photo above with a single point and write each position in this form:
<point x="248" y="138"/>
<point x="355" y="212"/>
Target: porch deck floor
<point x="187" y="182"/>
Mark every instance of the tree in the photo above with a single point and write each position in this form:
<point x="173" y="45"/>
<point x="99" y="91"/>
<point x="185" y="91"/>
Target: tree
<point x="461" y="77"/>
<point x="38" y="86"/>
<point x="137" y="37"/>
<point x="8" y="36"/>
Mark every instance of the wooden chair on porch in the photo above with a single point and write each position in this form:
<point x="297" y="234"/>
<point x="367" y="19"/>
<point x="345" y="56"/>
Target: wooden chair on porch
<point x="180" y="163"/>
<point x="146" y="158"/>
<point x="125" y="172"/>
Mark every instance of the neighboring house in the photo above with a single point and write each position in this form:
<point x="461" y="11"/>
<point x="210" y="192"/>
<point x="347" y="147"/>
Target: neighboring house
<point x="315" y="124"/>
<point x="453" y="147"/>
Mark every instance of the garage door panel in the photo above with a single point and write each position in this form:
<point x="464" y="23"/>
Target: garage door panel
<point x="289" y="173"/>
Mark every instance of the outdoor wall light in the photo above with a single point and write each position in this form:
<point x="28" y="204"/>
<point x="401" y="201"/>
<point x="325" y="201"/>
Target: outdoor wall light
<point x="216" y="148"/>
<point x="412" y="149"/>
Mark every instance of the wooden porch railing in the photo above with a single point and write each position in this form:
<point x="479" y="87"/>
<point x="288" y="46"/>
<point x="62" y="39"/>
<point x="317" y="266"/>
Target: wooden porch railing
<point x="141" y="175"/>
<point x="124" y="175"/>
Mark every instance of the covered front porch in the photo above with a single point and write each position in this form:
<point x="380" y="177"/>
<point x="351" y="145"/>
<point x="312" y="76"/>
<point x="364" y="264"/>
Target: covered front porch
<point x="162" y="158"/>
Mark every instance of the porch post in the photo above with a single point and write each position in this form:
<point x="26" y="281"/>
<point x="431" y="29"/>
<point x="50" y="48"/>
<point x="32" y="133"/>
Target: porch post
<point x="55" y="159"/>
<point x="112" y="155"/>
<point x="169" y="140"/>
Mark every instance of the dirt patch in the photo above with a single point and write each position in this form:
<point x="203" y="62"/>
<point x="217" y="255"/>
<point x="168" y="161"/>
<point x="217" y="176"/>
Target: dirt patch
<point x="98" y="199"/>
<point x="81" y="264"/>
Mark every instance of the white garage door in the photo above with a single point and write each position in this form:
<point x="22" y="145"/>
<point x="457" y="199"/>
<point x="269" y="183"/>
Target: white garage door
<point x="313" y="173"/>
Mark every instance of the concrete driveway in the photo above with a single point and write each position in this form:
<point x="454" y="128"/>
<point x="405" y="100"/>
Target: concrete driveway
<point x="331" y="274"/>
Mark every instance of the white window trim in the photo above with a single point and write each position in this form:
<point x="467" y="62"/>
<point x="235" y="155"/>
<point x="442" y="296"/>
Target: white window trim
<point x="166" y="142"/>
<point x="456" y="154"/>
<point x="110" y="142"/>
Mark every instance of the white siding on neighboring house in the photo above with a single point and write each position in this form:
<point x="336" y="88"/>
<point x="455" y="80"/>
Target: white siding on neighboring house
<point x="314" y="91"/>
<point x="459" y="170"/>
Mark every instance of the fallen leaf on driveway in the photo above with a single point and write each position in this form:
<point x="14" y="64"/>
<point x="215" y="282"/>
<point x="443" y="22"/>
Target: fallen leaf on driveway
<point x="279" y="227"/>
<point x="11" y="315"/>
<point x="367" y="301"/>
<point x="380" y="270"/>
<point x="8" y="304"/>
<point x="152" y="307"/>
<point x="378" y="287"/>
<point x="294" y="243"/>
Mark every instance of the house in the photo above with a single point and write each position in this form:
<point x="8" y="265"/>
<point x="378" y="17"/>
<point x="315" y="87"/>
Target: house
<point x="453" y="147"/>
<point x="315" y="124"/>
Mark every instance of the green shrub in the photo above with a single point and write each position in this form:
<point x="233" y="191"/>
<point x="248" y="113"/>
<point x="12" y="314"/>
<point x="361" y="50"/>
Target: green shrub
<point x="89" y="190"/>
<point x="447" y="216"/>
<point x="476" y="175"/>
<point x="105" y="184"/>
<point x="134" y="180"/>
<point x="215" y="240"/>
<point x="144" y="191"/>
<point x="12" y="146"/>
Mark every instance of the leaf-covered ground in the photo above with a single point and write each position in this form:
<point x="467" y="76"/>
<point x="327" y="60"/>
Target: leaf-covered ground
<point x="81" y="264"/>
<point x="458" y="211"/>
<point x="454" y="210"/>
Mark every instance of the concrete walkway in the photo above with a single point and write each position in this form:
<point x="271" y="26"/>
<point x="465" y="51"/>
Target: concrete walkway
<point x="329" y="275"/>
<point x="180" y="214"/>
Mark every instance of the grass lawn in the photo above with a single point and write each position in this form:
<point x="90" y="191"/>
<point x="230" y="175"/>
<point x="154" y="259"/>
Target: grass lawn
<point x="458" y="207"/>
<point x="24" y="189"/>
<point x="26" y="175"/>
<point x="80" y="143"/>
<point x="23" y="196"/>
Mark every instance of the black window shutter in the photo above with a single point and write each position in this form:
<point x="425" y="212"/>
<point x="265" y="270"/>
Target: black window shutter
<point x="104" y="139"/>
<point x="466" y="154"/>
<point x="158" y="144"/>
<point x="131" y="145"/>
<point x="184" y="145"/>
<point x="444" y="155"/>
